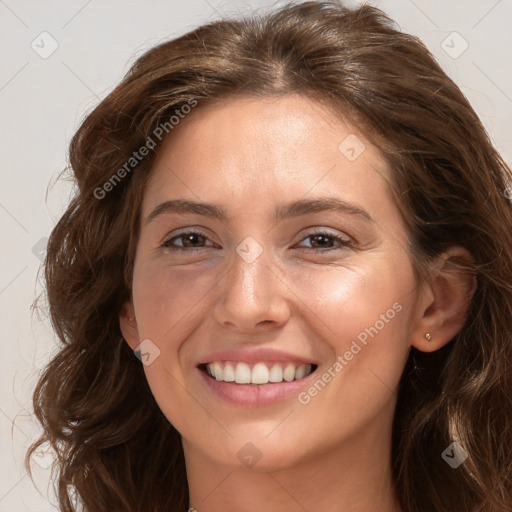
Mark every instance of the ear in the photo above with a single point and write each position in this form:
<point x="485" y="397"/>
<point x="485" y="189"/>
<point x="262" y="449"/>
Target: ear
<point x="128" y="325"/>
<point x="445" y="300"/>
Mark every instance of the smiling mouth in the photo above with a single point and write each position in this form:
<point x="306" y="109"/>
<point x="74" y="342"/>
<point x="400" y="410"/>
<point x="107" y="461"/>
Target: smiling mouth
<point x="259" y="373"/>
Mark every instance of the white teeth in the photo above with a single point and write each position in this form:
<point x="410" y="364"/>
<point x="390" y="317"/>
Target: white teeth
<point x="229" y="373"/>
<point x="259" y="374"/>
<point x="217" y="371"/>
<point x="241" y="373"/>
<point x="289" y="373"/>
<point x="301" y="371"/>
<point x="276" y="373"/>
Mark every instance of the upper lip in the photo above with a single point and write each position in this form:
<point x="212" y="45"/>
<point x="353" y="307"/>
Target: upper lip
<point x="254" y="355"/>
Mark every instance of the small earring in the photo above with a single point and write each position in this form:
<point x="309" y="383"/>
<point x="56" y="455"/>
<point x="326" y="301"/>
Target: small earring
<point x="428" y="336"/>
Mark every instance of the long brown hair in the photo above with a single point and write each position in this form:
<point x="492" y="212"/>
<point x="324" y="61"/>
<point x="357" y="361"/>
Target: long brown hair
<point x="116" y="450"/>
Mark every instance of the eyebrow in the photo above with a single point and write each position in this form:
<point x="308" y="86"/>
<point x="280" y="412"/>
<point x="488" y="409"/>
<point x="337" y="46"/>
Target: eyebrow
<point x="282" y="211"/>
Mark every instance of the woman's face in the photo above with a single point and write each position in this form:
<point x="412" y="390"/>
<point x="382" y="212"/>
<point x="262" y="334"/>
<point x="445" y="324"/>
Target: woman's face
<point x="261" y="295"/>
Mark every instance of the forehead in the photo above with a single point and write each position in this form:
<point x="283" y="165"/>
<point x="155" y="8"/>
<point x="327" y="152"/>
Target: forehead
<point x="265" y="150"/>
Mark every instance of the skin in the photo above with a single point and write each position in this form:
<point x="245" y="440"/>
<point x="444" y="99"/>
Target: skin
<point x="249" y="155"/>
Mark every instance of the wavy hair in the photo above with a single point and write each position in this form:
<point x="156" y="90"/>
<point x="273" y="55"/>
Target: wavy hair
<point x="115" y="449"/>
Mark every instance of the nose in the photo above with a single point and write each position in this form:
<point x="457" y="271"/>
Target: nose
<point x="252" y="295"/>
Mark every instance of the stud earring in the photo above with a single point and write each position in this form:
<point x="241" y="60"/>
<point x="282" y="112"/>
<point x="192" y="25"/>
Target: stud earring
<point x="428" y="336"/>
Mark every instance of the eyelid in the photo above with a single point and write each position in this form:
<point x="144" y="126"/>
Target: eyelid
<point x="326" y="231"/>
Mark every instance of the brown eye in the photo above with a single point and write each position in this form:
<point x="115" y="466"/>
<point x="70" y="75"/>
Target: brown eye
<point x="190" y="240"/>
<point x="327" y="241"/>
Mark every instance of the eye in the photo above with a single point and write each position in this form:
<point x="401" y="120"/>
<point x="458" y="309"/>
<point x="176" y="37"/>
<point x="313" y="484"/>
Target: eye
<point x="322" y="241"/>
<point x="191" y="240"/>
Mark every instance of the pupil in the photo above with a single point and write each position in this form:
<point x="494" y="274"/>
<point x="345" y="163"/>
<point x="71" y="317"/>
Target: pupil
<point x="192" y="238"/>
<point x="321" y="237"/>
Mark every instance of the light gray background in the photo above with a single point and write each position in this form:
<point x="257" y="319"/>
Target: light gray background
<point x="43" y="100"/>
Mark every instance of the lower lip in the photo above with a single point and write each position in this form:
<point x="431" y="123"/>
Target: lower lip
<point x="255" y="395"/>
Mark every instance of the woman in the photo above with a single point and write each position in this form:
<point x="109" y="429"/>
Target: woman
<point x="299" y="226"/>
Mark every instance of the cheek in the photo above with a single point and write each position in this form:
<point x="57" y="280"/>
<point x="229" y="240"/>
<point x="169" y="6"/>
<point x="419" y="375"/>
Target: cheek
<point x="351" y="299"/>
<point x="168" y="299"/>
<point x="363" y="315"/>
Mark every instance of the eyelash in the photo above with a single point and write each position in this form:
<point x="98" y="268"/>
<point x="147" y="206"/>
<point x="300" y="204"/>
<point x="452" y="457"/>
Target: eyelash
<point x="342" y="241"/>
